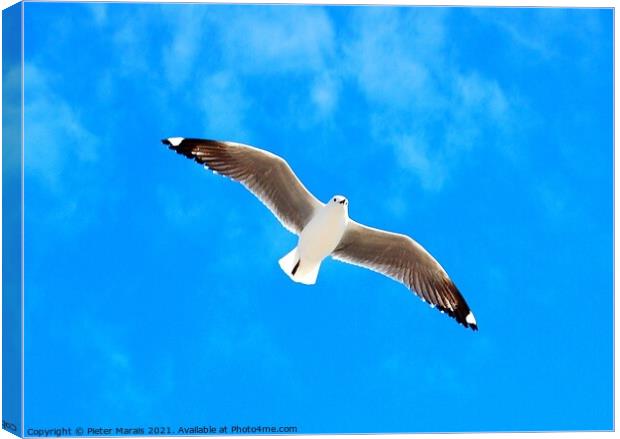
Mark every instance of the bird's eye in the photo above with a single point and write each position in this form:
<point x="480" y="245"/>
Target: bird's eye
<point x="334" y="199"/>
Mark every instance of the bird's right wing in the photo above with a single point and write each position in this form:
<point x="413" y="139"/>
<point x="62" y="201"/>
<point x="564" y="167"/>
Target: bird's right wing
<point x="401" y="258"/>
<point x="264" y="174"/>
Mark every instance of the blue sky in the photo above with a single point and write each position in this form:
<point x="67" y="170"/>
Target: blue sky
<point x="153" y="293"/>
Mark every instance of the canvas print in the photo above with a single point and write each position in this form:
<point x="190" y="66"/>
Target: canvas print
<point x="306" y="219"/>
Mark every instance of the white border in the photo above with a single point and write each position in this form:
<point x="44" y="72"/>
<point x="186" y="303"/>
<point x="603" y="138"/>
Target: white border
<point x="484" y="3"/>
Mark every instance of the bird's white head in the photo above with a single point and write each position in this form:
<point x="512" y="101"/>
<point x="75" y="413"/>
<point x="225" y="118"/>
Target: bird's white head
<point x="340" y="201"/>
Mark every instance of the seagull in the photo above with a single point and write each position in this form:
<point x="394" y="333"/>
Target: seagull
<point x="326" y="229"/>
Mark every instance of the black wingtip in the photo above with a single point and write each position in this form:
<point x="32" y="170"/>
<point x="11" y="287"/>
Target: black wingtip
<point x="187" y="142"/>
<point x="466" y="324"/>
<point x="470" y="323"/>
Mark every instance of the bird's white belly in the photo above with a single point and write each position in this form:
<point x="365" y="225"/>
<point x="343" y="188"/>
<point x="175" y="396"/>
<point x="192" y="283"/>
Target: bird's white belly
<point x="321" y="235"/>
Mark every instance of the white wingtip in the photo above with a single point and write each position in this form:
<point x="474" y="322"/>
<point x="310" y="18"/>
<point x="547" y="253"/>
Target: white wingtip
<point x="470" y="318"/>
<point x="175" y="141"/>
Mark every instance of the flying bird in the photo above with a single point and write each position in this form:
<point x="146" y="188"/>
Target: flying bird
<point x="326" y="229"/>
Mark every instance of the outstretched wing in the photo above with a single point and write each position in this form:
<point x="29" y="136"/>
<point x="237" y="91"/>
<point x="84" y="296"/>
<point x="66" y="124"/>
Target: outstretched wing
<point x="401" y="258"/>
<point x="264" y="174"/>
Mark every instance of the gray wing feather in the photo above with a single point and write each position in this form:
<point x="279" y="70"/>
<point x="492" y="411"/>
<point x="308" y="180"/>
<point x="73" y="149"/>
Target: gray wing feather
<point x="266" y="175"/>
<point x="403" y="259"/>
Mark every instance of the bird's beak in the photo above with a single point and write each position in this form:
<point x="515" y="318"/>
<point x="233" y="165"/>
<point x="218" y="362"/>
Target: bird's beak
<point x="341" y="202"/>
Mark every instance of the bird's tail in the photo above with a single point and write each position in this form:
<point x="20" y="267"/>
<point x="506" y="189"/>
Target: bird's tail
<point x="303" y="272"/>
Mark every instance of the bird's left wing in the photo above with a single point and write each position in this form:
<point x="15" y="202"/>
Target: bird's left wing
<point x="264" y="174"/>
<point x="401" y="258"/>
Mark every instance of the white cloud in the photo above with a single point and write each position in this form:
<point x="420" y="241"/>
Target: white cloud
<point x="543" y="32"/>
<point x="394" y="56"/>
<point x="324" y="93"/>
<point x="276" y="39"/>
<point x="61" y="156"/>
<point x="224" y="103"/>
<point x="55" y="135"/>
<point x="524" y="36"/>
<point x="209" y="52"/>
<point x="131" y="52"/>
<point x="99" y="13"/>
<point x="415" y="155"/>
<point x="423" y="105"/>
<point x="398" y="58"/>
<point x="475" y="103"/>
<point x="179" y="56"/>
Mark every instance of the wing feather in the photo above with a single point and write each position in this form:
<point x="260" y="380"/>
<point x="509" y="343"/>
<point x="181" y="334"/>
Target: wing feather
<point x="403" y="259"/>
<point x="266" y="175"/>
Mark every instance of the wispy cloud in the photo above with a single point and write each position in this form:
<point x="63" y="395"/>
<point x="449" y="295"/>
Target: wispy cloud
<point x="428" y="109"/>
<point x="543" y="32"/>
<point x="325" y="93"/>
<point x="210" y="52"/>
<point x="99" y="12"/>
<point x="56" y="137"/>
<point x="61" y="156"/>
<point x="224" y="104"/>
<point x="134" y="55"/>
<point x="271" y="42"/>
<point x="414" y="154"/>
<point x="394" y="56"/>
<point x="276" y="40"/>
<point x="179" y="55"/>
